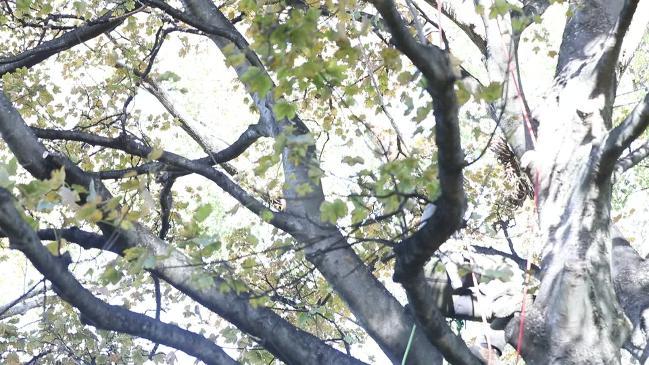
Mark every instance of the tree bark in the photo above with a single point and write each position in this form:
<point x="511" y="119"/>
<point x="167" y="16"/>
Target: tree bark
<point x="576" y="317"/>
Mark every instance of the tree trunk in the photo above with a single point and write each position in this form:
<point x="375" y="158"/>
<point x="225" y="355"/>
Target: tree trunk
<point x="577" y="318"/>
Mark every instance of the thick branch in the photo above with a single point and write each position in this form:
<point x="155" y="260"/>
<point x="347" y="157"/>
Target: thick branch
<point x="245" y="140"/>
<point x="94" y="311"/>
<point x="632" y="158"/>
<point x="430" y="60"/>
<point x="277" y="335"/>
<point x="68" y="40"/>
<point x="413" y="252"/>
<point x="378" y="312"/>
<point x="606" y="70"/>
<point x="233" y="36"/>
<point x="131" y="146"/>
<point x="467" y="26"/>
<point x="434" y="324"/>
<point x="622" y="136"/>
<point x="416" y="250"/>
<point x="586" y="31"/>
<point x="631" y="279"/>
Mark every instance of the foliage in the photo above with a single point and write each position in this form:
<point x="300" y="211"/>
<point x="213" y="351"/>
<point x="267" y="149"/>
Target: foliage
<point x="332" y="64"/>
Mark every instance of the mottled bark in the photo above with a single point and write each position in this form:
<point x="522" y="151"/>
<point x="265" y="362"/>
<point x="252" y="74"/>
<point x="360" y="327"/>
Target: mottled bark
<point x="576" y="317"/>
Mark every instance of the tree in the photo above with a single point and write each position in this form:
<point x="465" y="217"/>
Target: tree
<point x="88" y="168"/>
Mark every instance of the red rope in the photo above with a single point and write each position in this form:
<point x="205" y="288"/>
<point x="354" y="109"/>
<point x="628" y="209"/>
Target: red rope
<point x="528" y="124"/>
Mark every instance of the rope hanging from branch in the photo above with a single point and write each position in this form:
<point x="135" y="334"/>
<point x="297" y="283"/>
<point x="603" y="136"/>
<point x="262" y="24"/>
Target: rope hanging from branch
<point x="512" y="70"/>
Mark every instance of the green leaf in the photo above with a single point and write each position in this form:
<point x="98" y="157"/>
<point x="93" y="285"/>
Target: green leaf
<point x="422" y="112"/>
<point x="499" y="8"/>
<point x="302" y="319"/>
<point x="351" y="161"/>
<point x="23" y="6"/>
<point x="304" y="189"/>
<point x="57" y="178"/>
<point x="203" y="212"/>
<point x="359" y="214"/>
<point x="56" y="246"/>
<point x="491" y="92"/>
<point x="111" y="275"/>
<point x="463" y="95"/>
<point x="519" y="23"/>
<point x="7" y="172"/>
<point x="89" y="212"/>
<point x="267" y="215"/>
<point x="331" y="212"/>
<point x="134" y="253"/>
<point x="169" y="76"/>
<point x="257" y="81"/>
<point x="12" y="166"/>
<point x="404" y="77"/>
<point x="284" y="109"/>
<point x="209" y="249"/>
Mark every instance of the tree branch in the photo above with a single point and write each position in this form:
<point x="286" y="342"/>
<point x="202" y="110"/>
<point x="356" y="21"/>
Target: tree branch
<point x="586" y="32"/>
<point x="250" y="136"/>
<point x="632" y="158"/>
<point x="233" y="36"/>
<point x="323" y="243"/>
<point x="430" y="60"/>
<point x="68" y="40"/>
<point x="464" y="24"/>
<point x="20" y="305"/>
<point x="629" y="273"/>
<point x="133" y="147"/>
<point x="531" y="10"/>
<point x="434" y="325"/>
<point x="413" y="252"/>
<point x="94" y="311"/>
<point x="20" y="308"/>
<point x="245" y="140"/>
<point x="607" y="65"/>
<point x="281" y="338"/>
<point x="622" y="136"/>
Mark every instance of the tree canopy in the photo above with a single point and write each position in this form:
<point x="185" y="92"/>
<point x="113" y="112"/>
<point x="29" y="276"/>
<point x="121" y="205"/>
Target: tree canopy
<point x="328" y="182"/>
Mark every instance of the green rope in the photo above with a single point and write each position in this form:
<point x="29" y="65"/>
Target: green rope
<point x="412" y="335"/>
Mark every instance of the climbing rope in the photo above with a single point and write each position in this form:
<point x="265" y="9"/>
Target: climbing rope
<point x="527" y="121"/>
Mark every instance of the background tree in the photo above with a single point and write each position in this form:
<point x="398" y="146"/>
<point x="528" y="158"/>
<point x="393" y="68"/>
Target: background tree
<point x="354" y="119"/>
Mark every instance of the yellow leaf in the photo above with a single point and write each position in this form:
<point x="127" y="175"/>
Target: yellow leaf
<point x="57" y="179"/>
<point x="96" y="216"/>
<point x="57" y="246"/>
<point x="125" y="225"/>
<point x="12" y="359"/>
<point x="130" y="174"/>
<point x="53" y="247"/>
<point x="155" y="154"/>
